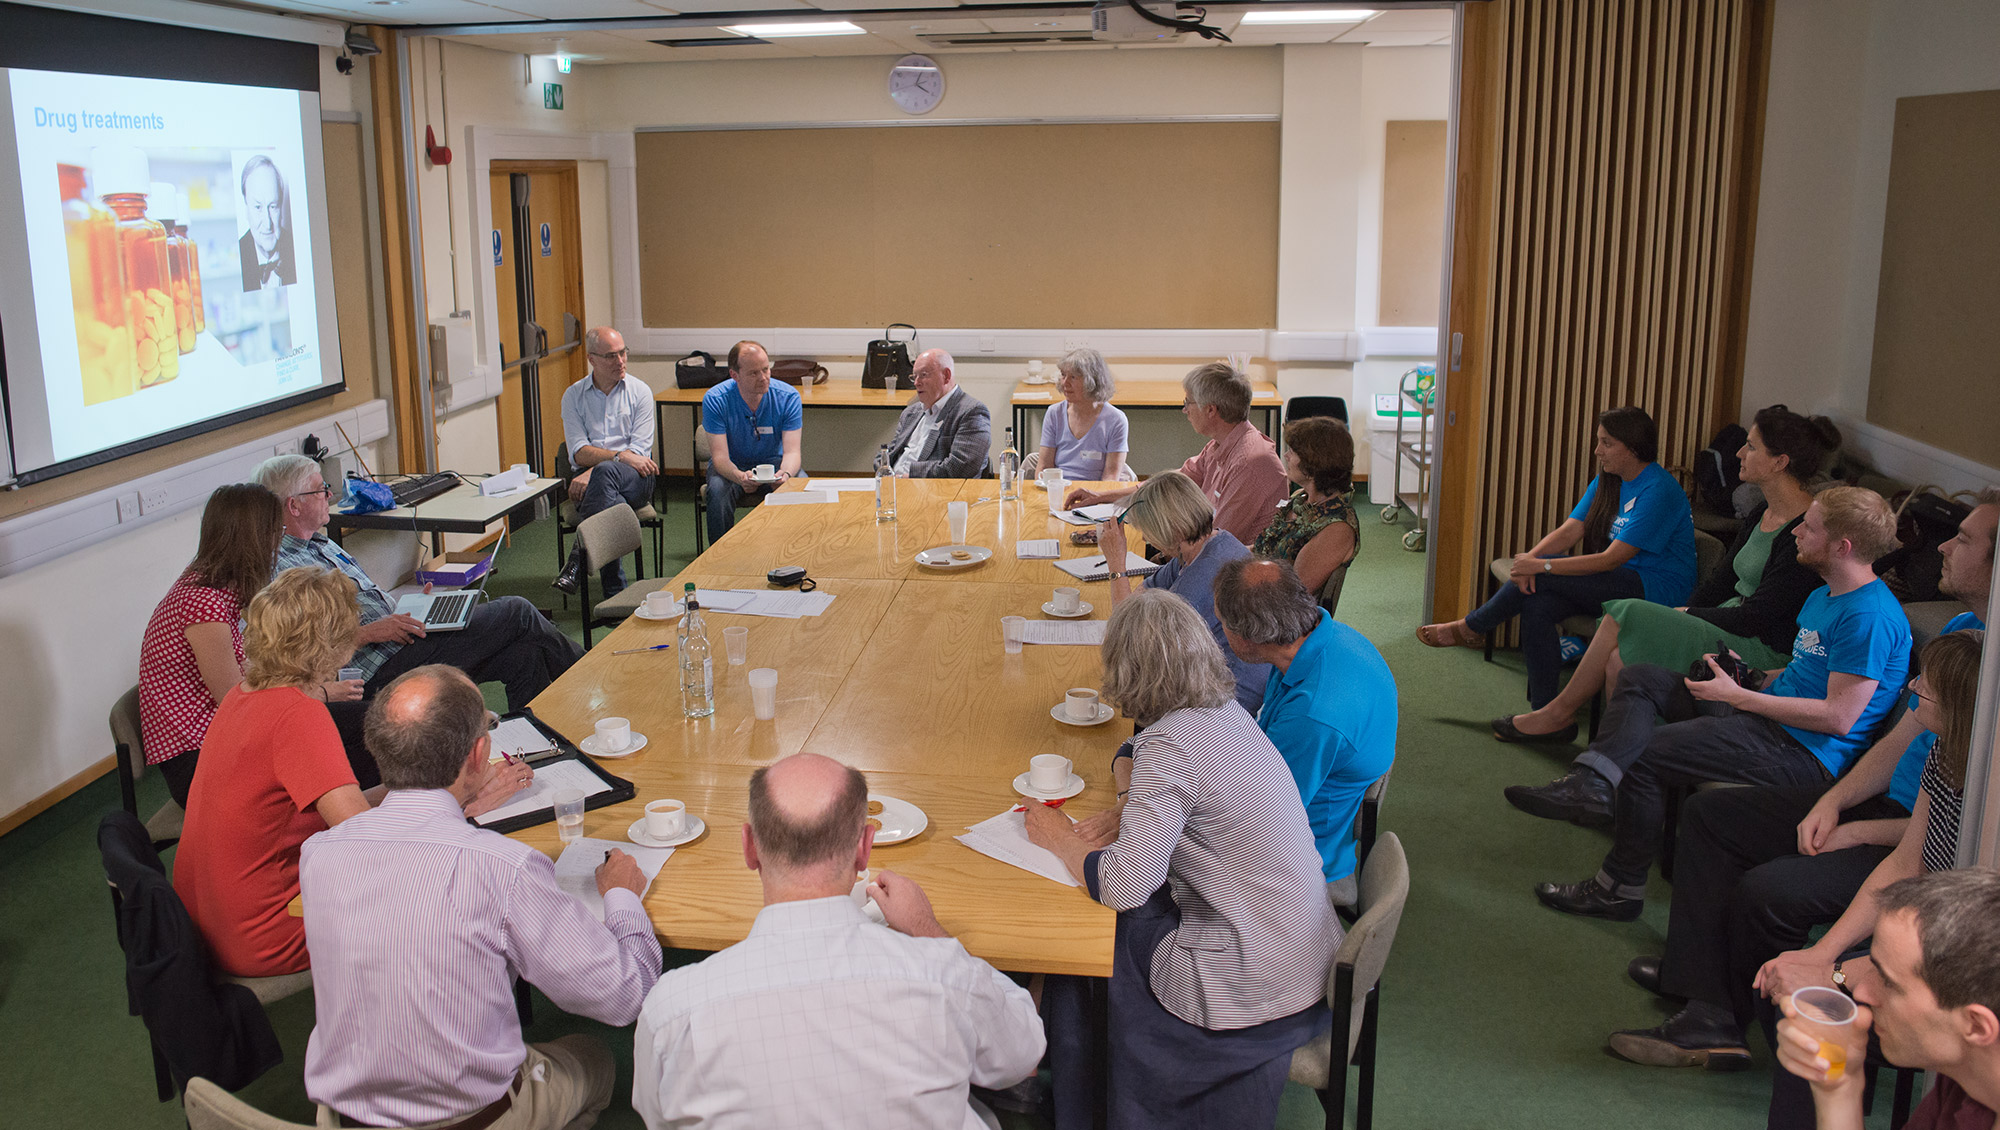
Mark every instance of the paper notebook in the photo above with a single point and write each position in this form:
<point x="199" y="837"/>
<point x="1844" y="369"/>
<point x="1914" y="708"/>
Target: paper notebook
<point x="1095" y="569"/>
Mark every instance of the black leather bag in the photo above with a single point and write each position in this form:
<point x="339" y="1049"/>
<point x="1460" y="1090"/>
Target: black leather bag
<point x="703" y="373"/>
<point x="889" y="358"/>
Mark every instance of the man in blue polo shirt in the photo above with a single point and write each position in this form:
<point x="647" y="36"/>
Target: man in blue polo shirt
<point x="1820" y="712"/>
<point x="1330" y="706"/>
<point x="750" y="422"/>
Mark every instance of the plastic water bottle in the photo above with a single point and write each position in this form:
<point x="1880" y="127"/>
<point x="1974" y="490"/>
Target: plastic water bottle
<point x="1010" y="470"/>
<point x="885" y="486"/>
<point x="697" y="668"/>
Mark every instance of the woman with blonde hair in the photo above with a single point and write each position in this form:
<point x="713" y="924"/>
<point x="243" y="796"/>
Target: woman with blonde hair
<point x="1224" y="931"/>
<point x="273" y="772"/>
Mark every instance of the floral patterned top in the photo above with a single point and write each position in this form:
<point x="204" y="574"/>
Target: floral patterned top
<point x="1298" y="522"/>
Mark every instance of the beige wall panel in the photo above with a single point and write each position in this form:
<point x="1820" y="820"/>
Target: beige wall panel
<point x="1413" y="183"/>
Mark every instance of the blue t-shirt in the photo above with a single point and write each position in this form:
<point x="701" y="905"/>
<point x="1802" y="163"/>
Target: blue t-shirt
<point x="1653" y="518"/>
<point x="1864" y="633"/>
<point x="754" y="437"/>
<point x="1910" y="770"/>
<point x="1332" y="715"/>
<point x="1196" y="584"/>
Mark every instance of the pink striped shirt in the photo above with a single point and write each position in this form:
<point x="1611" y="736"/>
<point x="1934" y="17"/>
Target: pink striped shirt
<point x="418" y="924"/>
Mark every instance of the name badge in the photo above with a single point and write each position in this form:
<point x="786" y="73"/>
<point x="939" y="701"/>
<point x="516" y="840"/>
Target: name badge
<point x="764" y="431"/>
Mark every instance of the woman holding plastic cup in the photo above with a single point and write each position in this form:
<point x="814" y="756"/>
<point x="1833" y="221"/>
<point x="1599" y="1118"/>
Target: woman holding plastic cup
<point x="1213" y="871"/>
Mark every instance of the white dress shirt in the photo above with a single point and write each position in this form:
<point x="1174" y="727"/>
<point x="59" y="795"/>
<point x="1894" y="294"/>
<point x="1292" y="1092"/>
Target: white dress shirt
<point x="927" y="426"/>
<point x="418" y="923"/>
<point x="823" y="1018"/>
<point x="619" y="420"/>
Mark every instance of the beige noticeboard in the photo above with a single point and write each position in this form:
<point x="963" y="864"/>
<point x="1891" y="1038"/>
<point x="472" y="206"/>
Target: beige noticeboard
<point x="1413" y="183"/>
<point x="1133" y="225"/>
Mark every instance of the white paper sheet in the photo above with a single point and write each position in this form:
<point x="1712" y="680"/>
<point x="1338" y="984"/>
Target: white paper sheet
<point x="841" y="484"/>
<point x="1037" y="549"/>
<point x="1041" y="394"/>
<point x="517" y="737"/>
<point x="801" y="498"/>
<point x="1088" y="632"/>
<point x="540" y="795"/>
<point x="723" y="600"/>
<point x="1095" y="569"/>
<point x="1005" y="838"/>
<point x="784" y="604"/>
<point x="576" y="868"/>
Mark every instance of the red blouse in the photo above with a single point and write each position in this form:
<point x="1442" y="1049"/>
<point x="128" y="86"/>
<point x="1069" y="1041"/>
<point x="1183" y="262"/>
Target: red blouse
<point x="174" y="705"/>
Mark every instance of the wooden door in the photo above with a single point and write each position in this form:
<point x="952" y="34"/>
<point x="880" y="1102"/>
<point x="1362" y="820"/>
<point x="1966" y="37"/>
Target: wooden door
<point x="500" y="252"/>
<point x="555" y="270"/>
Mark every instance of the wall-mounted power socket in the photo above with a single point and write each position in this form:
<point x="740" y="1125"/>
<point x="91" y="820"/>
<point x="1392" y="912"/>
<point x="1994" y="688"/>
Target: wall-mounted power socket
<point x="987" y="344"/>
<point x="287" y="447"/>
<point x="153" y="500"/>
<point x="1070" y="345"/>
<point x="128" y="506"/>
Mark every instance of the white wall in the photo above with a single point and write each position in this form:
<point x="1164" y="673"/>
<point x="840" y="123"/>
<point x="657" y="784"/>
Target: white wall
<point x="1837" y="69"/>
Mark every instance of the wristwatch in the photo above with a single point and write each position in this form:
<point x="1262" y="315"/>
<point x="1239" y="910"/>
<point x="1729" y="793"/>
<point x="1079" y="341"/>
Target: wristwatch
<point x="1548" y="566"/>
<point x="1840" y="980"/>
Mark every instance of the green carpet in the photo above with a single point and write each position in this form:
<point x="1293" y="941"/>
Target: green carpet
<point x="1494" y="1010"/>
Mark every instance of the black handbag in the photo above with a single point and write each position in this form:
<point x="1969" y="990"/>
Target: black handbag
<point x="705" y="373"/>
<point x="888" y="358"/>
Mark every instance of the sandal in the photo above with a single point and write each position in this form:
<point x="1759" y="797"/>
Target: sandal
<point x="1445" y="635"/>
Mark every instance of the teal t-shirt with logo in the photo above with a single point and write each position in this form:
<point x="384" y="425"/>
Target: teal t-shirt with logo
<point x="1863" y="633"/>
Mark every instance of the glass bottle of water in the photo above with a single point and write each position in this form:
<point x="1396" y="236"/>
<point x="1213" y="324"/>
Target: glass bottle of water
<point x="1010" y="470"/>
<point x="885" y="486"/>
<point x="697" y="668"/>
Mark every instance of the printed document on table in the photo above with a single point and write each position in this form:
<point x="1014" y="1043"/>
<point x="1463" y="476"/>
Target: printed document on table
<point x="724" y="600"/>
<point x="1036" y="549"/>
<point x="541" y="794"/>
<point x="784" y="604"/>
<point x="518" y="737"/>
<point x="841" y="484"/>
<point x="1005" y="838"/>
<point x="801" y="498"/>
<point x="576" y="868"/>
<point x="1042" y="394"/>
<point x="1090" y="632"/>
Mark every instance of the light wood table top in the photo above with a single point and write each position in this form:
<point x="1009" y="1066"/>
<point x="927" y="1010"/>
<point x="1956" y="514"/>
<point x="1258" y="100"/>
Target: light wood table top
<point x="835" y="393"/>
<point x="1140" y="394"/>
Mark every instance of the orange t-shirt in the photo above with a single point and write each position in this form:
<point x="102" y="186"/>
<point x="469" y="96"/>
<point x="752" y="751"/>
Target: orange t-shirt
<point x="268" y="758"/>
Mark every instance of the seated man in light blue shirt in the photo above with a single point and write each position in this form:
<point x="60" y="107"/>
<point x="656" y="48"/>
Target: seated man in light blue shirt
<point x="608" y="424"/>
<point x="750" y="421"/>
<point x="1330" y="707"/>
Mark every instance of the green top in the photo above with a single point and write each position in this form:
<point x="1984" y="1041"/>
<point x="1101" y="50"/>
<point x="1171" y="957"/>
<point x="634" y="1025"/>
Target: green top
<point x="1298" y="522"/>
<point x="1750" y="562"/>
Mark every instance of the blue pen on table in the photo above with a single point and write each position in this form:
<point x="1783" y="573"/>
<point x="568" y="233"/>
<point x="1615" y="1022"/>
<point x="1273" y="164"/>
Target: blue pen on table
<point x="636" y="650"/>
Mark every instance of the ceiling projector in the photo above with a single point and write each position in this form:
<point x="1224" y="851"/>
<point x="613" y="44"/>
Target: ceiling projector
<point x="1118" y="21"/>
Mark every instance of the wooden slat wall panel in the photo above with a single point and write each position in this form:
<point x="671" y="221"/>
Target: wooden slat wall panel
<point x="1621" y="181"/>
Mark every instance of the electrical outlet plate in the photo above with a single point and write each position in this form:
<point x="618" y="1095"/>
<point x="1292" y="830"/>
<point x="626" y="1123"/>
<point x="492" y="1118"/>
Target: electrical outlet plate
<point x="987" y="344"/>
<point x="128" y="506"/>
<point x="288" y="447"/>
<point x="152" y="500"/>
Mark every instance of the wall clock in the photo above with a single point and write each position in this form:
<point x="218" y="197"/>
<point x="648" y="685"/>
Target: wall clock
<point x="916" y="83"/>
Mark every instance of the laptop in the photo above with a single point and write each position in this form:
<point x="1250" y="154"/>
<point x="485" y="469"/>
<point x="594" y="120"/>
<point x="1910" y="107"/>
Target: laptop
<point x="444" y="611"/>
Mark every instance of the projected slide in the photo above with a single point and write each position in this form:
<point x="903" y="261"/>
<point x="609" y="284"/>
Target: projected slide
<point x="170" y="256"/>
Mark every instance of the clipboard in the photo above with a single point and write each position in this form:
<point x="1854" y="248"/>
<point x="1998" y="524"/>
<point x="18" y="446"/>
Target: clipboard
<point x="620" y="790"/>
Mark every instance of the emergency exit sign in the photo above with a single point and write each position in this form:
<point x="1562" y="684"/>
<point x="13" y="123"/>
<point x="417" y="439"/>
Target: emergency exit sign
<point x="552" y="96"/>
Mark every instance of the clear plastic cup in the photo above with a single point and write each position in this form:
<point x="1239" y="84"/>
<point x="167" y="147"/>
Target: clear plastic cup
<point x="1010" y="633"/>
<point x="955" y="516"/>
<point x="737" y="641"/>
<point x="569" y="814"/>
<point x="1827" y="1013"/>
<point x="764" y="693"/>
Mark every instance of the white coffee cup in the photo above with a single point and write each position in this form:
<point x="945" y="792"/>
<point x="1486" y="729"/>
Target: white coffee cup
<point x="764" y="692"/>
<point x="1081" y="704"/>
<point x="1068" y="600"/>
<point x="523" y="468"/>
<point x="1048" y="772"/>
<point x="613" y="734"/>
<point x="955" y="514"/>
<point x="765" y="471"/>
<point x="661" y="603"/>
<point x="1050" y="475"/>
<point x="665" y="819"/>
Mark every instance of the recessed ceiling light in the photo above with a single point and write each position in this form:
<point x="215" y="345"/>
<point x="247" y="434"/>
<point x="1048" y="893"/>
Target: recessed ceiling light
<point x="795" y="30"/>
<point x="388" y="3"/>
<point x="1310" y="16"/>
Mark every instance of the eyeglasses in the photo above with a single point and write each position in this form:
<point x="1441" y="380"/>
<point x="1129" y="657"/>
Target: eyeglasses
<point x="322" y="490"/>
<point x="1919" y="689"/>
<point x="620" y="355"/>
<point x="492" y="721"/>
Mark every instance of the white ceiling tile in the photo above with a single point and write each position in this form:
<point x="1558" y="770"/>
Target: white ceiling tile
<point x="702" y="7"/>
<point x="1396" y="38"/>
<point x="1403" y="19"/>
<point x="1263" y="35"/>
<point x="949" y="25"/>
<point x="577" y="9"/>
<point x="1031" y="24"/>
<point x="832" y="46"/>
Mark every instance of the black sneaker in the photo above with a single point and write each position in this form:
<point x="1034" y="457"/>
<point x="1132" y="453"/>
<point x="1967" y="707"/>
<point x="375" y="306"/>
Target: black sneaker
<point x="1589" y="900"/>
<point x="1697" y="1036"/>
<point x="1580" y="796"/>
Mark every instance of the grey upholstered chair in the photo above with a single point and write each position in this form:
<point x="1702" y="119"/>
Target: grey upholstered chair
<point x="1353" y="990"/>
<point x="605" y="537"/>
<point x="129" y="744"/>
<point x="209" y="1107"/>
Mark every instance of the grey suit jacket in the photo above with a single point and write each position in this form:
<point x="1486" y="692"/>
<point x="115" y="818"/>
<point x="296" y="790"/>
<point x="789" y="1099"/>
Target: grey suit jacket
<point x="957" y="450"/>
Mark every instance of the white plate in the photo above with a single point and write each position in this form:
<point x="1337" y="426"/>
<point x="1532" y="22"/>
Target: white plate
<point x="1082" y="609"/>
<point x="900" y="819"/>
<point x="941" y="558"/>
<point x="1060" y="712"/>
<point x="679" y="608"/>
<point x="589" y="746"/>
<point x="1074" y="787"/>
<point x="690" y="831"/>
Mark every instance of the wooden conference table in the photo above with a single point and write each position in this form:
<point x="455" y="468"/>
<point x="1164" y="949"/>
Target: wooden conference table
<point x="1141" y="394"/>
<point x="903" y="677"/>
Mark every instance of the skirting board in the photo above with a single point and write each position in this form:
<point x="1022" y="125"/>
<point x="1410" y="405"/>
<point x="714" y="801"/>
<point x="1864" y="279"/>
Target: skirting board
<point x="1901" y="457"/>
<point x="46" y="534"/>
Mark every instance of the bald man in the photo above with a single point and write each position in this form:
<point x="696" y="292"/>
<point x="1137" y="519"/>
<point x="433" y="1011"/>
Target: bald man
<point x="608" y="425"/>
<point x="945" y="432"/>
<point x="419" y="922"/>
<point x="822" y="1017"/>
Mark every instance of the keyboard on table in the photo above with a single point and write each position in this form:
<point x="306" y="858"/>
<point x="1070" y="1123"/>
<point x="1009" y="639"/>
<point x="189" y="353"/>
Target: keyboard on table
<point x="422" y="488"/>
<point x="449" y="607"/>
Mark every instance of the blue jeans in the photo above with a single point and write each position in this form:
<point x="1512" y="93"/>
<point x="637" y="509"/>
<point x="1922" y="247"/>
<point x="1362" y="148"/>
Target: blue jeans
<point x="612" y="482"/>
<point x="1555" y="599"/>
<point x="723" y="495"/>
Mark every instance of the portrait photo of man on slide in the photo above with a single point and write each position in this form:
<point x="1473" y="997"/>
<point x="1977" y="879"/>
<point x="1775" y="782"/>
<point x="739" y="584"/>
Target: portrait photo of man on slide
<point x="267" y="238"/>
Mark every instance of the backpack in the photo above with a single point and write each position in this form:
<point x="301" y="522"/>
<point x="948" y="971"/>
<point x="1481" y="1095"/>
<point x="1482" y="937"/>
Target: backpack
<point x="1718" y="471"/>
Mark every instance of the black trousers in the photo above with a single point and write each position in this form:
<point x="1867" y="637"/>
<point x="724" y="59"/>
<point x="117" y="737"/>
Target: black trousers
<point x="1701" y="741"/>
<point x="1742" y="893"/>
<point x="508" y="641"/>
<point x="1555" y="599"/>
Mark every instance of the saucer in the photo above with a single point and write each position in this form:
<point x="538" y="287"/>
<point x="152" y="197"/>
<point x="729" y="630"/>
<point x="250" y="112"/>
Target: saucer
<point x="1060" y="712"/>
<point x="899" y="820"/>
<point x="1082" y="609"/>
<point x="642" y="614"/>
<point x="692" y="830"/>
<point x="764" y="482"/>
<point x="1074" y="787"/>
<point x="589" y="746"/>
